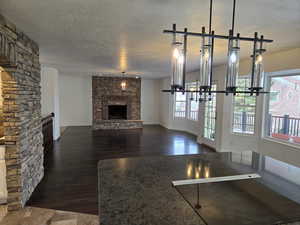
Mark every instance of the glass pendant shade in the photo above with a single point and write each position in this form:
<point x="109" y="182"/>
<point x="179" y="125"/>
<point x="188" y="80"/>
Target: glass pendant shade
<point x="205" y="63"/>
<point x="177" y="66"/>
<point x="259" y="75"/>
<point x="233" y="65"/>
<point x="123" y="85"/>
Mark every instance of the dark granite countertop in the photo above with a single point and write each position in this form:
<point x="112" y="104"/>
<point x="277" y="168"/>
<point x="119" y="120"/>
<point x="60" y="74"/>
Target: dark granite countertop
<point x="138" y="191"/>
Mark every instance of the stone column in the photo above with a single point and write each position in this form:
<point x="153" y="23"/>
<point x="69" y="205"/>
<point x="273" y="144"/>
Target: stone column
<point x="22" y="118"/>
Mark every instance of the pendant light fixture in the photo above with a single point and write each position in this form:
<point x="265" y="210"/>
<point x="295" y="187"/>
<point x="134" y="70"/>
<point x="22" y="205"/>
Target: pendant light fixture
<point x="205" y="62"/>
<point x="123" y="82"/>
<point x="232" y="63"/>
<point x="206" y="56"/>
<point x="258" y="75"/>
<point x="179" y="59"/>
<point x="178" y="63"/>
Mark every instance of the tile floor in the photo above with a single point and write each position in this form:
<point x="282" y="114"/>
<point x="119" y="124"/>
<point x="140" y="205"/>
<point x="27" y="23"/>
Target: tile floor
<point x="39" y="216"/>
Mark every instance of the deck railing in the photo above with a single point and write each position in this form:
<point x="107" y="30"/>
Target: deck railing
<point x="180" y="114"/>
<point x="193" y="115"/>
<point x="284" y="125"/>
<point x="243" y="122"/>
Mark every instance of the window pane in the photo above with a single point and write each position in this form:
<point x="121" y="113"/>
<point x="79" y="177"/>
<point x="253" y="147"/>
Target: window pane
<point x="284" y="108"/>
<point x="193" y="105"/>
<point x="180" y="96"/>
<point x="244" y="109"/>
<point x="180" y="105"/>
<point x="210" y="117"/>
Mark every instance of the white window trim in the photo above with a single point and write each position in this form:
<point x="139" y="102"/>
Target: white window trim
<point x="282" y="142"/>
<point x="187" y="107"/>
<point x="266" y="100"/>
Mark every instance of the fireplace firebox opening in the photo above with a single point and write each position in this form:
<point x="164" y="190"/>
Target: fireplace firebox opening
<point x="117" y="112"/>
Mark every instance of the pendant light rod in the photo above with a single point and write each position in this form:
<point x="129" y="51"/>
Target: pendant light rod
<point x="222" y="92"/>
<point x="184" y="56"/>
<point x="212" y="58"/>
<point x="253" y="60"/>
<point x="233" y="16"/>
<point x="197" y="88"/>
<point x="210" y="15"/>
<point x="212" y="44"/>
<point x="174" y="41"/>
<point x="261" y="43"/>
<point x="214" y="36"/>
<point x="174" y="34"/>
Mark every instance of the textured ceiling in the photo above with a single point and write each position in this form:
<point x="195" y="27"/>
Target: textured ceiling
<point x="109" y="36"/>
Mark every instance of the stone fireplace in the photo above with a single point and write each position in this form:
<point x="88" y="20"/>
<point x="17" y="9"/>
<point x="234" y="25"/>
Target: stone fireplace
<point x="114" y="108"/>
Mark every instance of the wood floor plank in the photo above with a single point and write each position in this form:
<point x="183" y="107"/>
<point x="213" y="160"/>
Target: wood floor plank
<point x="70" y="181"/>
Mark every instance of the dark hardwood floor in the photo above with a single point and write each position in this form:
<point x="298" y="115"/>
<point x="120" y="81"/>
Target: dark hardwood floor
<point x="70" y="181"/>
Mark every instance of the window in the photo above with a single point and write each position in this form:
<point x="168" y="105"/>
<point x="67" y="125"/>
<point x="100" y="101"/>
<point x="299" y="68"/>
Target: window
<point x="180" y="105"/>
<point x="193" y="105"/>
<point x="186" y="105"/>
<point x="283" y="114"/>
<point x="210" y="116"/>
<point x="244" y="109"/>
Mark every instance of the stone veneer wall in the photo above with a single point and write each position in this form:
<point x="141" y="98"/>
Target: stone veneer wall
<point x="107" y="91"/>
<point x="22" y="118"/>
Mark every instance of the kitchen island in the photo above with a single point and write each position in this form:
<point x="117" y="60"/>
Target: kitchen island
<point x="139" y="191"/>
